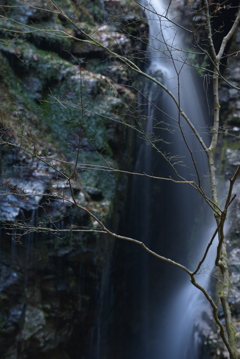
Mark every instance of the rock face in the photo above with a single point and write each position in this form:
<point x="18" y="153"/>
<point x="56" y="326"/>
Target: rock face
<point x="230" y="97"/>
<point x="229" y="159"/>
<point x="50" y="297"/>
<point x="64" y="104"/>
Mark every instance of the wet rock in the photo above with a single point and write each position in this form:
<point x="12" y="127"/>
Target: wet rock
<point x="51" y="283"/>
<point x="224" y="95"/>
<point x="233" y="157"/>
<point x="113" y="40"/>
<point x="95" y="193"/>
<point x="11" y="353"/>
<point x="26" y="13"/>
<point x="45" y="339"/>
<point x="10" y="209"/>
<point x="26" y="195"/>
<point x="117" y="73"/>
<point x="61" y="184"/>
<point x="8" y="278"/>
<point x="34" y="321"/>
<point x="233" y="93"/>
<point x="15" y="314"/>
<point x="33" y="84"/>
<point x="235" y="73"/>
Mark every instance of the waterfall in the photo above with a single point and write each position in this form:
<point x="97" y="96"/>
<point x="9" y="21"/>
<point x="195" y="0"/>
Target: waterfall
<point x="171" y="218"/>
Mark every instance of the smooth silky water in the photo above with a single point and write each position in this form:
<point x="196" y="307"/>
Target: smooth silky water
<point x="171" y="218"/>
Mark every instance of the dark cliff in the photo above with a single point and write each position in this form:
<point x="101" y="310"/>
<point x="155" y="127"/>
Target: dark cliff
<point x="63" y="108"/>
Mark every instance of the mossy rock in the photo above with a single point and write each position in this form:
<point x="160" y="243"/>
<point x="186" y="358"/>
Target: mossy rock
<point x="40" y="10"/>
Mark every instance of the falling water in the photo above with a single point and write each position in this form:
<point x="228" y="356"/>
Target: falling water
<point x="171" y="218"/>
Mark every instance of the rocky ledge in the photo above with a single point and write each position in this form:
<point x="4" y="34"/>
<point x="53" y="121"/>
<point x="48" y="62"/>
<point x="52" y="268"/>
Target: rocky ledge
<point x="64" y="109"/>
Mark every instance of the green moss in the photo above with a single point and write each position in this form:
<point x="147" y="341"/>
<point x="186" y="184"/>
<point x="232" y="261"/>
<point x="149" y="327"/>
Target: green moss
<point x="71" y="100"/>
<point x="26" y="58"/>
<point x="67" y="101"/>
<point x="63" y="112"/>
<point x="96" y="175"/>
<point x="38" y="11"/>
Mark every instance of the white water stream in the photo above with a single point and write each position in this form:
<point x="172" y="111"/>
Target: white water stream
<point x="177" y="335"/>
